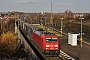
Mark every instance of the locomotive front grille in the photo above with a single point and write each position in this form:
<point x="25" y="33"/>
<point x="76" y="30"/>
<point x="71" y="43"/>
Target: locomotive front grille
<point x="51" y="52"/>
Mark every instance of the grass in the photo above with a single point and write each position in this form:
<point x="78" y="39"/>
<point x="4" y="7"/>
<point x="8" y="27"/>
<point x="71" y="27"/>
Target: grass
<point x="52" y="31"/>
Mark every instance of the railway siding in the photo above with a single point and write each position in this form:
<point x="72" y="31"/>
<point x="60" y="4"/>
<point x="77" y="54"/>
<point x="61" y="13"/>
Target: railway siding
<point x="65" y="56"/>
<point x="67" y="35"/>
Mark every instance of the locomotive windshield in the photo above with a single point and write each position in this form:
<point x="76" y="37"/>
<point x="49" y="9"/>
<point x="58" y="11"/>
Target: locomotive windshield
<point x="51" y="39"/>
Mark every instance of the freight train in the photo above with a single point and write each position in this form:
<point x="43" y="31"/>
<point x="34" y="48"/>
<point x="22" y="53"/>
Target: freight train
<point x="48" y="43"/>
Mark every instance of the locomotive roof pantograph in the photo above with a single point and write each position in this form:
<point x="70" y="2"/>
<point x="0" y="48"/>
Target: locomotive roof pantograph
<point x="43" y="32"/>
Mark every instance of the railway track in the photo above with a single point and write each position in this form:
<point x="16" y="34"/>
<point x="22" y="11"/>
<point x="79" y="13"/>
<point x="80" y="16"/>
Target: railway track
<point x="62" y="56"/>
<point x="54" y="58"/>
<point x="65" y="56"/>
<point x="67" y="35"/>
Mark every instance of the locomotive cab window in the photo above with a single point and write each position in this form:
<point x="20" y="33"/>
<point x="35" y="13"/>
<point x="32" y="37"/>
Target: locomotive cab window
<point x="48" y="39"/>
<point x="51" y="39"/>
<point x="54" y="39"/>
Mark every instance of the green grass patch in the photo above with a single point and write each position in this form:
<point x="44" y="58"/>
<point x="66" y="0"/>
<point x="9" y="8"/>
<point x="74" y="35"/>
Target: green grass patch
<point x="52" y="31"/>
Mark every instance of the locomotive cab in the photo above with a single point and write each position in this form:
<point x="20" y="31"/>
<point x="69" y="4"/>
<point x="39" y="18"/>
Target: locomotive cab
<point x="52" y="45"/>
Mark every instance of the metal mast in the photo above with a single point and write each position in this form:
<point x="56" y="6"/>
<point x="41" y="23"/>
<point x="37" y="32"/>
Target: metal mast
<point x="51" y="14"/>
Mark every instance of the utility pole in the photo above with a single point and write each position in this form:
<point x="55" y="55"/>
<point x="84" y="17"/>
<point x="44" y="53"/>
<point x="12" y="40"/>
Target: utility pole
<point x="81" y="32"/>
<point x="37" y="20"/>
<point x="1" y="24"/>
<point x="51" y="14"/>
<point x="45" y="20"/>
<point x="61" y="27"/>
<point x="16" y="29"/>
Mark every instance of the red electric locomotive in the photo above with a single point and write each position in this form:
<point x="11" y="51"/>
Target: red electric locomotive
<point x="48" y="42"/>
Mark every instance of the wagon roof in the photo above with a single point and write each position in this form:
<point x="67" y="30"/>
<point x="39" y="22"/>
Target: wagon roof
<point x="34" y="27"/>
<point x="39" y="30"/>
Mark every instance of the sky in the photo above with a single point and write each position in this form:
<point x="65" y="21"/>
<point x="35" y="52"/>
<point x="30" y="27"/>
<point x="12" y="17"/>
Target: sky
<point x="58" y="6"/>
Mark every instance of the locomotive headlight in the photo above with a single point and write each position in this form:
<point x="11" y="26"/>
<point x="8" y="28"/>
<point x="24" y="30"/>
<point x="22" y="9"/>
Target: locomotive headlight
<point x="56" y="45"/>
<point x="56" y="48"/>
<point x="47" y="46"/>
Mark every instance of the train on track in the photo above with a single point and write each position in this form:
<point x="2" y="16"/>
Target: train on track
<point x="48" y="43"/>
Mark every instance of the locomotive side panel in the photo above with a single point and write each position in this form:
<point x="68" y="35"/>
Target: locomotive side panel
<point x="38" y="39"/>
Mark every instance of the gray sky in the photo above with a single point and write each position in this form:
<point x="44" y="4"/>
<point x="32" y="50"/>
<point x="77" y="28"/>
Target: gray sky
<point x="58" y="6"/>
